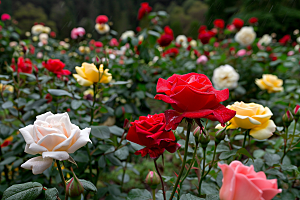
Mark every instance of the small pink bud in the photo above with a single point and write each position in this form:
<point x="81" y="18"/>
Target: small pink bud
<point x="287" y="118"/>
<point x="152" y="179"/>
<point x="297" y="112"/>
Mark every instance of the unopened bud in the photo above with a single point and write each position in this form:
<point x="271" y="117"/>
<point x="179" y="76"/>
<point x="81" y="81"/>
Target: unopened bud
<point x="74" y="187"/>
<point x="204" y="140"/>
<point x="287" y="118"/>
<point x="126" y="124"/>
<point x="197" y="133"/>
<point x="297" y="113"/>
<point x="152" y="179"/>
<point x="220" y="135"/>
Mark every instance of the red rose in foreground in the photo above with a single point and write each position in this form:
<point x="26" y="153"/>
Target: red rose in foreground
<point x="285" y="39"/>
<point x="253" y="20"/>
<point x="144" y="9"/>
<point x="150" y="132"/>
<point x="238" y="23"/>
<point x="219" y="23"/>
<point x="242" y="182"/>
<point x="192" y="96"/>
<point x="205" y="36"/>
<point x="56" y="66"/>
<point x="101" y="19"/>
<point x="166" y="38"/>
<point x="24" y="65"/>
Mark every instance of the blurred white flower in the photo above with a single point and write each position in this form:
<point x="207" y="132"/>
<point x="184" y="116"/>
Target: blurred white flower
<point x="102" y="28"/>
<point x="127" y="34"/>
<point x="298" y="39"/>
<point x="37" y="29"/>
<point x="265" y="40"/>
<point x="46" y="29"/>
<point x="141" y="38"/>
<point x="245" y="36"/>
<point x="225" y="77"/>
<point x="193" y="43"/>
<point x="182" y="40"/>
<point x="43" y="37"/>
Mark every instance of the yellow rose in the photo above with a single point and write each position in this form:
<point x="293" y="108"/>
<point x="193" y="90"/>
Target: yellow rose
<point x="270" y="82"/>
<point x="88" y="74"/>
<point x="252" y="116"/>
<point x="7" y="87"/>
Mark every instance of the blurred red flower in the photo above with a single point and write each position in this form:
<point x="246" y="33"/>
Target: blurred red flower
<point x="56" y="66"/>
<point x="166" y="38"/>
<point x="285" y="39"/>
<point x="101" y="19"/>
<point x="24" y="65"/>
<point x="205" y="36"/>
<point x="219" y="23"/>
<point x="238" y="23"/>
<point x="144" y="9"/>
<point x="253" y="20"/>
<point x="173" y="52"/>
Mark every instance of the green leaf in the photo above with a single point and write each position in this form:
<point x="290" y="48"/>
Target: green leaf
<point x="126" y="178"/>
<point x="272" y="159"/>
<point x="154" y="33"/>
<point x="222" y="148"/>
<point x="258" y="153"/>
<point x="139" y="194"/>
<point x="209" y="188"/>
<point x="87" y="185"/>
<point x="75" y="104"/>
<point x="190" y="197"/>
<point x="116" y="130"/>
<point x="8" y="160"/>
<point x="122" y="153"/>
<point x="113" y="159"/>
<point x="102" y="162"/>
<point x="58" y="92"/>
<point x="245" y="152"/>
<point x="276" y="172"/>
<point x="227" y="154"/>
<point x="51" y="194"/>
<point x="7" y="104"/>
<point x="25" y="191"/>
<point x="101" y="132"/>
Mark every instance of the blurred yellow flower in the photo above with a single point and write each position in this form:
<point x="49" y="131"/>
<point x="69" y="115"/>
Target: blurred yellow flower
<point x="89" y="91"/>
<point x="270" y="82"/>
<point x="7" y="87"/>
<point x="88" y="74"/>
<point x="252" y="116"/>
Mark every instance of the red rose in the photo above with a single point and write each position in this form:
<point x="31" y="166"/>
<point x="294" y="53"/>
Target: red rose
<point x="101" y="19"/>
<point x="98" y="44"/>
<point x="202" y="29"/>
<point x="253" y="20"/>
<point x="138" y="29"/>
<point x="24" y="65"/>
<point x="173" y="52"/>
<point x="219" y="23"/>
<point x="48" y="97"/>
<point x="113" y="42"/>
<point x="238" y="23"/>
<point x="166" y="38"/>
<point x="56" y="66"/>
<point x="144" y="9"/>
<point x="150" y="132"/>
<point x="285" y="39"/>
<point x="192" y="96"/>
<point x="205" y="36"/>
<point x="52" y="34"/>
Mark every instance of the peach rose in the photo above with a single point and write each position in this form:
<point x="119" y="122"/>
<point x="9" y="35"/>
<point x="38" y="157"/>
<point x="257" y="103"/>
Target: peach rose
<point x="252" y="116"/>
<point x="54" y="137"/>
<point x="242" y="182"/>
<point x="270" y="82"/>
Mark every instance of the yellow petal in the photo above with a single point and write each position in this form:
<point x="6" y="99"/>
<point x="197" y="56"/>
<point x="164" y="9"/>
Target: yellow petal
<point x="245" y="122"/>
<point x="82" y="81"/>
<point x="80" y="71"/>
<point x="263" y="131"/>
<point x="91" y="72"/>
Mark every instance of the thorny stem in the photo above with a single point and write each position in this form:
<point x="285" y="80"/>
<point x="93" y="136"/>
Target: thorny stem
<point x="203" y="170"/>
<point x="184" y="160"/>
<point x="294" y="133"/>
<point x="161" y="180"/>
<point x="123" y="175"/>
<point x="285" y="141"/>
<point x="62" y="178"/>
<point x="213" y="160"/>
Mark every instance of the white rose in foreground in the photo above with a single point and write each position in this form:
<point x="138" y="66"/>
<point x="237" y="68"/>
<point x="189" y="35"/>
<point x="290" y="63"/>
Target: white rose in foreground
<point x="245" y="36"/>
<point x="225" y="77"/>
<point x="54" y="137"/>
<point x="127" y="34"/>
<point x="265" y="40"/>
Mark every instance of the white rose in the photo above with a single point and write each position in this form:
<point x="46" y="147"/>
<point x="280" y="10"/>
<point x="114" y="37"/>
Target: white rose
<point x="46" y="29"/>
<point x="225" y="77"/>
<point x="127" y="34"/>
<point x="102" y="28"/>
<point x="298" y="39"/>
<point x="265" y="40"/>
<point x="182" y="40"/>
<point x="54" y="137"/>
<point x="193" y="43"/>
<point x="43" y="36"/>
<point x="37" y="29"/>
<point x="245" y="36"/>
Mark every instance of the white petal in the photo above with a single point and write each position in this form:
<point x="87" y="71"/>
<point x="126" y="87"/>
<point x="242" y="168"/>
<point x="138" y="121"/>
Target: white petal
<point x="64" y="146"/>
<point x="27" y="133"/>
<point x="44" y="116"/>
<point x="33" y="149"/>
<point x="57" y="155"/>
<point x="52" y="140"/>
<point x="84" y="137"/>
<point x="38" y="164"/>
<point x="253" y="121"/>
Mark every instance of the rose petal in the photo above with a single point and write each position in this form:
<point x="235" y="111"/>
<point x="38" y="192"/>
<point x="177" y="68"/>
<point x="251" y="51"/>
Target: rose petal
<point x="37" y="164"/>
<point x="52" y="140"/>
<point x="27" y="133"/>
<point x="44" y="116"/>
<point x="33" y="149"/>
<point x="57" y="155"/>
<point x="84" y="138"/>
<point x="82" y="81"/>
<point x="64" y="146"/>
<point x="263" y="131"/>
<point x="245" y="189"/>
<point x="227" y="189"/>
<point x="268" y="194"/>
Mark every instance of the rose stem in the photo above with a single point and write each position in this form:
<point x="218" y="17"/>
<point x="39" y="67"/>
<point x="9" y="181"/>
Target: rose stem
<point x="212" y="161"/>
<point x="123" y="175"/>
<point x="161" y="180"/>
<point x="188" y="171"/>
<point x="203" y="170"/>
<point x="184" y="160"/>
<point x="294" y="133"/>
<point x="285" y="141"/>
<point x="62" y="177"/>
<point x="153" y="194"/>
<point x="244" y="142"/>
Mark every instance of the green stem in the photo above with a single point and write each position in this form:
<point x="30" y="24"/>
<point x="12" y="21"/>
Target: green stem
<point x="161" y="180"/>
<point x="213" y="160"/>
<point x="293" y="133"/>
<point x="153" y="194"/>
<point x="62" y="178"/>
<point x="123" y="175"/>
<point x="94" y="101"/>
<point x="203" y="170"/>
<point x="90" y="162"/>
<point x="184" y="160"/>
<point x="244" y="142"/>
<point x="285" y="141"/>
<point x="188" y="171"/>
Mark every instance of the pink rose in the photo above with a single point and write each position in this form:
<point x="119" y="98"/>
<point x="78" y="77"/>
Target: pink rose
<point x="242" y="182"/>
<point x="241" y="52"/>
<point x="77" y="32"/>
<point x="202" y="59"/>
<point x="5" y="17"/>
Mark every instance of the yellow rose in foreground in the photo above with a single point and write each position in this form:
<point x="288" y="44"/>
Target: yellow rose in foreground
<point x="88" y="74"/>
<point x="252" y="116"/>
<point x="270" y="82"/>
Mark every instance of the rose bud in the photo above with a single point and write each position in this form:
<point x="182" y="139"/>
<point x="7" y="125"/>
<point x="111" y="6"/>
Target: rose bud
<point x="297" y="113"/>
<point x="287" y="118"/>
<point x="197" y="133"/>
<point x="152" y="179"/>
<point x="204" y="140"/>
<point x="74" y="187"/>
<point x="220" y="135"/>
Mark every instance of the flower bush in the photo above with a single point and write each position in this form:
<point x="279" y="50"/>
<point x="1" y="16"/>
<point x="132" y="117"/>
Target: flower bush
<point x="109" y="110"/>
